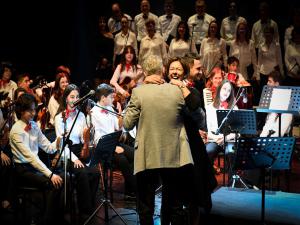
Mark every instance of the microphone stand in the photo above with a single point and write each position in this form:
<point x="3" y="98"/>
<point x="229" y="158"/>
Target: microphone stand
<point x="101" y="107"/>
<point x="227" y="115"/>
<point x="66" y="140"/>
<point x="224" y="121"/>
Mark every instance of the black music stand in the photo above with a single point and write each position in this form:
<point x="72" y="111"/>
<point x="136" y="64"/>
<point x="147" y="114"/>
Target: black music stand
<point x="265" y="106"/>
<point x="103" y="154"/>
<point x="238" y="122"/>
<point x="267" y="96"/>
<point x="263" y="153"/>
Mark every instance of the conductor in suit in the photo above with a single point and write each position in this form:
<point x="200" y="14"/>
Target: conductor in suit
<point x="161" y="146"/>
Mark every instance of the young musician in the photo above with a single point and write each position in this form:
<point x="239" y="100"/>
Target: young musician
<point x="105" y="123"/>
<point x="233" y="76"/>
<point x="87" y="179"/>
<point x="25" y="139"/>
<point x="6" y="84"/>
<point x="224" y="100"/>
<point x="128" y="67"/>
<point x="271" y="127"/>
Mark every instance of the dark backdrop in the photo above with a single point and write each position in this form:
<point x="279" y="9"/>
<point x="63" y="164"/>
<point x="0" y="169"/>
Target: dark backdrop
<point x="37" y="36"/>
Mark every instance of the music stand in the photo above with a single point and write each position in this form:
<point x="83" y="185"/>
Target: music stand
<point x="263" y="153"/>
<point x="289" y="101"/>
<point x="237" y="121"/>
<point x="103" y="154"/>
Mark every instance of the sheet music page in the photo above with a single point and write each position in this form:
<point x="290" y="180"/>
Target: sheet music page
<point x="280" y="99"/>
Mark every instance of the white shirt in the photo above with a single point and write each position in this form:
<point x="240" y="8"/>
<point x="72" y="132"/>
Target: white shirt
<point x="119" y="76"/>
<point x="228" y="27"/>
<point x="9" y="88"/>
<point x="115" y="26"/>
<point x="178" y="48"/>
<point x="207" y="96"/>
<point x="76" y="135"/>
<point x="212" y="51"/>
<point x="288" y="36"/>
<point x="257" y="35"/>
<point x="168" y="26"/>
<point x="25" y="145"/>
<point x="152" y="46"/>
<point x="269" y="57"/>
<point x="292" y="59"/>
<point x="122" y="40"/>
<point x="199" y="27"/>
<point x="246" y="54"/>
<point x="140" y="27"/>
<point x="53" y="106"/>
<point x="104" y="123"/>
<point x="272" y="123"/>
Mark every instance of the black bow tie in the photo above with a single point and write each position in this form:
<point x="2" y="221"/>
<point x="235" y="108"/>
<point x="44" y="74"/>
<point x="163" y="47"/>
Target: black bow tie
<point x="169" y="17"/>
<point x="145" y="16"/>
<point x="200" y="17"/>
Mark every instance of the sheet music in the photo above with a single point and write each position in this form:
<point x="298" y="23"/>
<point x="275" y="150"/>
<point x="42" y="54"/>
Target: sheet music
<point x="280" y="99"/>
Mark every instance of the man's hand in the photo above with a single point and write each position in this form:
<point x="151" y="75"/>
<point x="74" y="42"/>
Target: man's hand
<point x="5" y="159"/>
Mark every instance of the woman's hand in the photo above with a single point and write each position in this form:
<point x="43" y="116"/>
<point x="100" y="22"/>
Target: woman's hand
<point x="78" y="164"/>
<point x="177" y="82"/>
<point x="203" y="135"/>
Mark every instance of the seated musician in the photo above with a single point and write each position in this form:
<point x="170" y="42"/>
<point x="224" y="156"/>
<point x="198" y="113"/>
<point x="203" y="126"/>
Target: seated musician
<point x="62" y="80"/>
<point x="233" y="75"/>
<point x="105" y="123"/>
<point x="214" y="80"/>
<point x="25" y="140"/>
<point x="271" y="127"/>
<point x="7" y="86"/>
<point x="6" y="167"/>
<point x="224" y="100"/>
<point x="128" y="68"/>
<point x="87" y="179"/>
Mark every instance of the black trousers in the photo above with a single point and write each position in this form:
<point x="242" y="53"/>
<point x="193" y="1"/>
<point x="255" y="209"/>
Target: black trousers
<point x="124" y="162"/>
<point x="26" y="175"/>
<point x="147" y="182"/>
<point x="7" y="182"/>
<point x="86" y="183"/>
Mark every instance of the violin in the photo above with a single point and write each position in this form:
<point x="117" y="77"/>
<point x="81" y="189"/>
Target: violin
<point x="88" y="137"/>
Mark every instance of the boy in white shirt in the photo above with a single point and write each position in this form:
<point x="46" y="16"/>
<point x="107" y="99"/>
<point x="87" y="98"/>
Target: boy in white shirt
<point x="105" y="123"/>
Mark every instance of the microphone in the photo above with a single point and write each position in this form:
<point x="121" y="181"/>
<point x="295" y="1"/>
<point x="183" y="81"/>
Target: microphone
<point x="81" y="100"/>
<point x="245" y="98"/>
